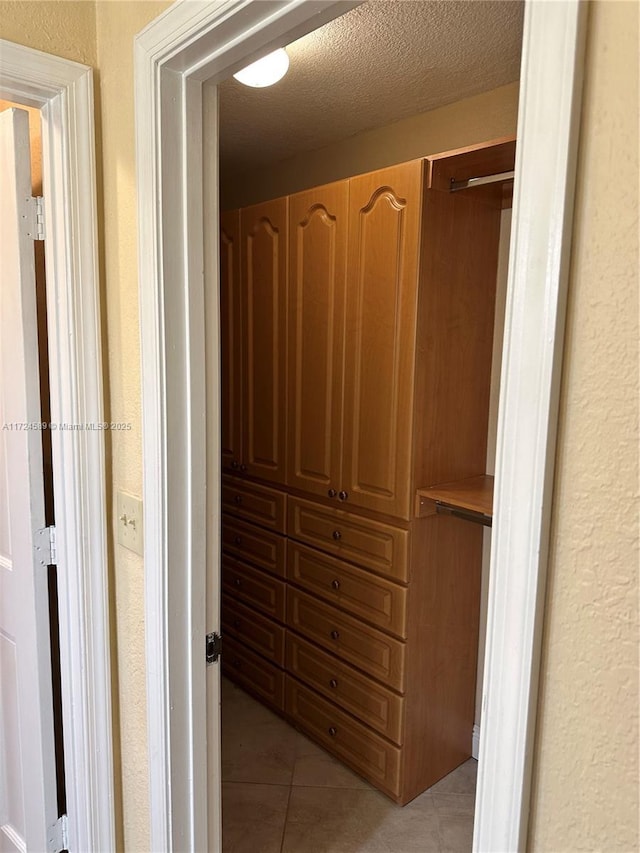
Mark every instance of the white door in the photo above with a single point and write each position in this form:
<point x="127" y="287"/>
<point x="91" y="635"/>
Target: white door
<point x="28" y="798"/>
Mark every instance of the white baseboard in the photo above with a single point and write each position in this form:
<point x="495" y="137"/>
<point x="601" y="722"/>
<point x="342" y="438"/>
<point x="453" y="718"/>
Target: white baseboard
<point x="475" y="742"/>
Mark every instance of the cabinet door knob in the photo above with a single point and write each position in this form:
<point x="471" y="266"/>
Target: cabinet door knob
<point x="335" y="635"/>
<point x="238" y="582"/>
<point x="243" y="467"/>
<point x="237" y="540"/>
<point x="332" y="493"/>
<point x="335" y="584"/>
<point x="343" y="495"/>
<point x="333" y="683"/>
<point x="337" y="535"/>
<point x="235" y="465"/>
<point x="237" y="663"/>
<point x="238" y="499"/>
<point x="333" y="731"/>
<point x="236" y="624"/>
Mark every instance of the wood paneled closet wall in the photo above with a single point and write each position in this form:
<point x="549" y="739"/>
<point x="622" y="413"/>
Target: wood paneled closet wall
<point x="357" y="331"/>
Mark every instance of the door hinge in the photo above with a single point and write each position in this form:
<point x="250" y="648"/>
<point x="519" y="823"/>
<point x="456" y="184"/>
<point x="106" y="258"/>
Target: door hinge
<point x="35" y="218"/>
<point x="58" y="835"/>
<point x="213" y="647"/>
<point x="46" y="546"/>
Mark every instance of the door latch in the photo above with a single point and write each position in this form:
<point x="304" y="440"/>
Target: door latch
<point x="213" y="647"/>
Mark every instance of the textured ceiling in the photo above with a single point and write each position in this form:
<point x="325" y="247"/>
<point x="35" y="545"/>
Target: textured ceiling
<point x="380" y="62"/>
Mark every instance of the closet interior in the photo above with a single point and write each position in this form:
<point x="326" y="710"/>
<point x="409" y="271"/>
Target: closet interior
<point x="357" y="339"/>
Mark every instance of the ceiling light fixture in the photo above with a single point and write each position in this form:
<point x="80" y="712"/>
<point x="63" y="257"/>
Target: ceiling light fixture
<point x="265" y="71"/>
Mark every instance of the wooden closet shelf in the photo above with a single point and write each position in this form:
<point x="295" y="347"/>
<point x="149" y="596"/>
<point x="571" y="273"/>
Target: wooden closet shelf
<point x="473" y="496"/>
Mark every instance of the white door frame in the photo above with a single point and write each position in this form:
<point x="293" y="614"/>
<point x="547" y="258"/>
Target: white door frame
<point x="196" y="41"/>
<point x="63" y="91"/>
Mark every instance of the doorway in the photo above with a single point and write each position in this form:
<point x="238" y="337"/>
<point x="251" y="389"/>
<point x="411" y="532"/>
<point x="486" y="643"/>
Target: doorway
<point x="249" y="184"/>
<point x="163" y="56"/>
<point x="60" y="92"/>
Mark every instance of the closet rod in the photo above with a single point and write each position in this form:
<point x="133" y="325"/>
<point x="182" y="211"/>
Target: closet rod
<point x="476" y="182"/>
<point x="466" y="514"/>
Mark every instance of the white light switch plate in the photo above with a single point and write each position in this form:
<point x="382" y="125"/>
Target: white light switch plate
<point x="129" y="520"/>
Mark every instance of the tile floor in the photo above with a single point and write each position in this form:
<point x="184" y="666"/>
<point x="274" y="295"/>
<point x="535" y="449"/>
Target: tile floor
<point x="283" y="794"/>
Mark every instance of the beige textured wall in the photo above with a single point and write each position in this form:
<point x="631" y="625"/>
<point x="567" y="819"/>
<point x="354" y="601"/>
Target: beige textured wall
<point x="65" y="28"/>
<point x="116" y="25"/>
<point x="477" y="119"/>
<point x="585" y="794"/>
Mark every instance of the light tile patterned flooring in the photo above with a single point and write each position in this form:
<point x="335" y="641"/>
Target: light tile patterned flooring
<point x="283" y="794"/>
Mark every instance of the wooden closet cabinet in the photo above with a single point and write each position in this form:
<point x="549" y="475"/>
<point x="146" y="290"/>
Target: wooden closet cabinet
<point x="253" y="282"/>
<point x="317" y="282"/>
<point x="353" y="248"/>
<point x="253" y="587"/>
<point x="380" y="336"/>
<point x="367" y="600"/>
<point x="230" y="342"/>
<point x="391" y="301"/>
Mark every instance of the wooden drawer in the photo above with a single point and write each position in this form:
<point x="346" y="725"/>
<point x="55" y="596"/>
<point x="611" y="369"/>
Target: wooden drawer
<point x="361" y="593"/>
<point x="253" y="673"/>
<point x="367" y="700"/>
<point x="377" y="546"/>
<point x="259" y="547"/>
<point x="255" y="503"/>
<point x="254" y="587"/>
<point x="365" y="647"/>
<point x="363" y="750"/>
<point x="259" y="632"/>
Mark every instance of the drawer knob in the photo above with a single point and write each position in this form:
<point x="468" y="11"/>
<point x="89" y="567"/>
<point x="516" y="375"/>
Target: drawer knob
<point x="238" y="499"/>
<point x="236" y="623"/>
<point x="333" y="683"/>
<point x="343" y="495"/>
<point x="332" y="493"/>
<point x="337" y="535"/>
<point x="243" y="467"/>
<point x="237" y="540"/>
<point x="238" y="582"/>
<point x="237" y="663"/>
<point x="335" y="635"/>
<point x="333" y="731"/>
<point x="335" y="584"/>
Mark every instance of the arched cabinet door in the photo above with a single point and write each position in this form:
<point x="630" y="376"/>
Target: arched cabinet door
<point x="317" y="275"/>
<point x="380" y="337"/>
<point x="230" y="341"/>
<point x="264" y="280"/>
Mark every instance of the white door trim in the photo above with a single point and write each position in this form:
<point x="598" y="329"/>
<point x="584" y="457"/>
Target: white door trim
<point x="195" y="41"/>
<point x="548" y="128"/>
<point x="63" y="91"/>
